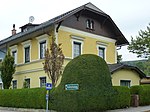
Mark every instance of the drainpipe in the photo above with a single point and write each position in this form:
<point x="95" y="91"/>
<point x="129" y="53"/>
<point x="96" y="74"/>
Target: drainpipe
<point x="56" y="28"/>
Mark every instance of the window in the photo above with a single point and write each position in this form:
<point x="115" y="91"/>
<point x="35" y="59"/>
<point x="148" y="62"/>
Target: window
<point x="90" y="24"/>
<point x="76" y="49"/>
<point x="14" y="84"/>
<point x="125" y="83"/>
<point x="101" y="52"/>
<point x="27" y="83"/>
<point x="42" y="49"/>
<point x="27" y="50"/>
<point x="27" y="54"/>
<point x="14" y="54"/>
<point x="42" y="81"/>
<point x="1" y="85"/>
<point x="42" y="45"/>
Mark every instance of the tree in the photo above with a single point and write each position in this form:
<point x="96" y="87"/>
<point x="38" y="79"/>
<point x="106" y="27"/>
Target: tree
<point x="53" y="61"/>
<point x="147" y="67"/>
<point x="141" y="45"/>
<point x="7" y="70"/>
<point x="119" y="58"/>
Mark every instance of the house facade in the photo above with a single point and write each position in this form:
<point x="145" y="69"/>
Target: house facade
<point x="84" y="30"/>
<point x="126" y="75"/>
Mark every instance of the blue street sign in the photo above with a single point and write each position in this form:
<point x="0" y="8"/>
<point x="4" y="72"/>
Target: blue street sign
<point x="48" y="86"/>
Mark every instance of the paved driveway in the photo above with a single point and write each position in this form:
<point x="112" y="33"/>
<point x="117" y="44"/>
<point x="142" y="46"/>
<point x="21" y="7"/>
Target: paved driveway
<point x="133" y="109"/>
<point x="6" y="111"/>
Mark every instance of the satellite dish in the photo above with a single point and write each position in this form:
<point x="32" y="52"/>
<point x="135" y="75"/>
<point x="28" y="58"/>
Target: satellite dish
<point x="31" y="19"/>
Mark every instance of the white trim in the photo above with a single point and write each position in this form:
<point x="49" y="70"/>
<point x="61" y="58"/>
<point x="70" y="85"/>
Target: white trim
<point x="25" y="45"/>
<point x="86" y="34"/>
<point x="77" y="38"/>
<point x="115" y="54"/>
<point x="14" y="48"/>
<point x="41" y="39"/>
<point x="78" y="41"/>
<point x="29" y="71"/>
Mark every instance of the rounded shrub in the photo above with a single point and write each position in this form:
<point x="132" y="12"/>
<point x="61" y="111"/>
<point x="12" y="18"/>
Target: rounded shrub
<point x="95" y="87"/>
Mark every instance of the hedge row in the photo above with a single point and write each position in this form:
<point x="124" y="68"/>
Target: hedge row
<point x="35" y="98"/>
<point x="23" y="98"/>
<point x="121" y="98"/>
<point x="144" y="93"/>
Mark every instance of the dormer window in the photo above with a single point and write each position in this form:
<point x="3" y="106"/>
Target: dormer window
<point x="90" y="24"/>
<point x="27" y="27"/>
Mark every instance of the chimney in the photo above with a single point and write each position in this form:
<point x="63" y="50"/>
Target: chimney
<point x="14" y="30"/>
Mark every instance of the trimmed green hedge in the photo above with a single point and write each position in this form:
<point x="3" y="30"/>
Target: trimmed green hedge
<point x="121" y="98"/>
<point x="35" y="98"/>
<point x="23" y="98"/>
<point x="95" y="92"/>
<point x="144" y="93"/>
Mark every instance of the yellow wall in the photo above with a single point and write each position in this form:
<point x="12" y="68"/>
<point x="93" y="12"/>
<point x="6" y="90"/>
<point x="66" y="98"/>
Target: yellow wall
<point x="89" y="44"/>
<point x="125" y="74"/>
<point x="34" y="69"/>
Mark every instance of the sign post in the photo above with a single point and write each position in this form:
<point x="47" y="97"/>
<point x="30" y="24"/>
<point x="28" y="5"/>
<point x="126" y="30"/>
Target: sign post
<point x="48" y="88"/>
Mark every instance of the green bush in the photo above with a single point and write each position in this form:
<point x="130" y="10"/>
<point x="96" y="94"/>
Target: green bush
<point x="144" y="93"/>
<point x="121" y="98"/>
<point x="95" y="87"/>
<point x="23" y="98"/>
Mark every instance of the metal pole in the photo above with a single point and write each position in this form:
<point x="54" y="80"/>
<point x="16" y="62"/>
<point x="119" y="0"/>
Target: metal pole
<point x="47" y="95"/>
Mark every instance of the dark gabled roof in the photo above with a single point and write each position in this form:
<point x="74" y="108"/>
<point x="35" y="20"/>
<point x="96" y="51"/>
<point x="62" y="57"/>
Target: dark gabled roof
<point x="116" y="67"/>
<point x="121" y="40"/>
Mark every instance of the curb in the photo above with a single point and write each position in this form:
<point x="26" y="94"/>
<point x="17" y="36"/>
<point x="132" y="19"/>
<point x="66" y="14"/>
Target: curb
<point x="24" y="109"/>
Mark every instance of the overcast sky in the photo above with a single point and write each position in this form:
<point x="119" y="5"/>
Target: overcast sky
<point x="129" y="15"/>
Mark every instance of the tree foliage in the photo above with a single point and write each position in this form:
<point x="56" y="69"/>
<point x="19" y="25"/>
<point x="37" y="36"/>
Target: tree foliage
<point x="119" y="58"/>
<point x="7" y="70"/>
<point x="143" y="65"/>
<point x="141" y="45"/>
<point x="53" y="61"/>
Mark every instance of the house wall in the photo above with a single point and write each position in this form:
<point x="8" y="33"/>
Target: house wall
<point x="34" y="69"/>
<point x="90" y="43"/>
<point x="125" y="74"/>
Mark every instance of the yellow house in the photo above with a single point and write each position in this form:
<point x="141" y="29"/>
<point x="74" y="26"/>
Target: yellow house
<point x="125" y="75"/>
<point x="84" y="30"/>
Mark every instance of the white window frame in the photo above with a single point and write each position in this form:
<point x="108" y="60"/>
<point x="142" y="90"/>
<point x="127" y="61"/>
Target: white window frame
<point x="13" y="49"/>
<point x="77" y="40"/>
<point x="40" y="80"/>
<point x="127" y="80"/>
<point x="29" y="80"/>
<point x="13" y="84"/>
<point x="25" y="45"/>
<point x="41" y="39"/>
<point x="104" y="46"/>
